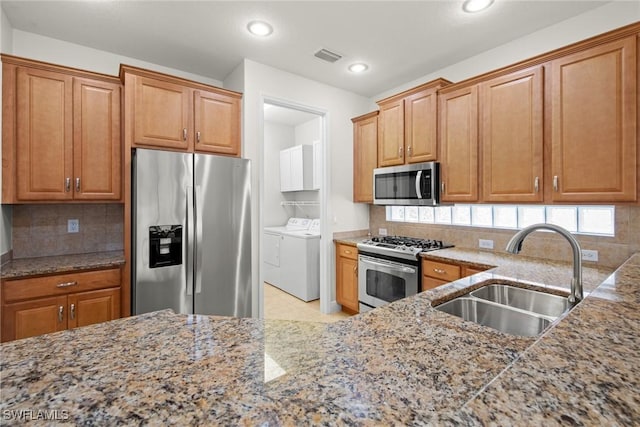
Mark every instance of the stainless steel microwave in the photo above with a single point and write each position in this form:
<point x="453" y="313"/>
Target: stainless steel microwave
<point x="414" y="184"/>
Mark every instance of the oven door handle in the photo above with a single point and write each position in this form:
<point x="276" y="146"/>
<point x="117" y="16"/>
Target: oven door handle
<point x="418" y="186"/>
<point x="403" y="268"/>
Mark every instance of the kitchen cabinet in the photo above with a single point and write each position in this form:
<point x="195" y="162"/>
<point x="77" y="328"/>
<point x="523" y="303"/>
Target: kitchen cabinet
<point x="594" y="139"/>
<point x="296" y="168"/>
<point x="347" y="277"/>
<point x="438" y="273"/>
<point x="511" y="137"/>
<point x="168" y="112"/>
<point x="407" y="125"/>
<point x="459" y="144"/>
<point x="62" y="134"/>
<point x="35" y="306"/>
<point x="365" y="156"/>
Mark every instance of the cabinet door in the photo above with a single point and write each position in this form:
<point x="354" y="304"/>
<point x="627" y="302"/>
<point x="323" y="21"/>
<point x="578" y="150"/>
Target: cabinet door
<point x="97" y="146"/>
<point x="420" y="126"/>
<point x="33" y="317"/>
<point x="459" y="145"/>
<point x="594" y="129"/>
<point x="347" y="283"/>
<point x="391" y="133"/>
<point x="162" y="114"/>
<point x="217" y="123"/>
<point x="285" y="171"/>
<point x="365" y="158"/>
<point x="44" y="126"/>
<point x="430" y="283"/>
<point x="87" y="308"/>
<point x="511" y="137"/>
<point x="297" y="168"/>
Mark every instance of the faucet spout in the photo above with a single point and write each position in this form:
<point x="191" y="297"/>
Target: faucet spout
<point x="515" y="246"/>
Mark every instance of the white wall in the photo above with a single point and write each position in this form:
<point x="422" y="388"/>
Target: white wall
<point x="276" y="137"/>
<point x="6" y="43"/>
<point x="597" y="21"/>
<point x="262" y="81"/>
<point x="34" y="46"/>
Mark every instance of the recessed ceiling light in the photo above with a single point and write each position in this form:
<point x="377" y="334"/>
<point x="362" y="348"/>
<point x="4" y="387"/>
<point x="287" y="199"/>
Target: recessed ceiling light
<point x="358" y="67"/>
<point x="472" y="6"/>
<point x="259" y="28"/>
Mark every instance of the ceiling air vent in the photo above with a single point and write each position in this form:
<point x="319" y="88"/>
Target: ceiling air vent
<point x="327" y="55"/>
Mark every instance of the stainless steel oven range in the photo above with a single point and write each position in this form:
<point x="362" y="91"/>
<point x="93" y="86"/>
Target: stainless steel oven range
<point x="389" y="268"/>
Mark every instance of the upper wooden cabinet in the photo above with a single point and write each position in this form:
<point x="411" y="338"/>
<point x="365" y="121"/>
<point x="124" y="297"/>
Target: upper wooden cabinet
<point x="61" y="133"/>
<point x="169" y="112"/>
<point x="594" y="132"/>
<point x="407" y="125"/>
<point x="459" y="145"/>
<point x="365" y="150"/>
<point x="511" y="137"/>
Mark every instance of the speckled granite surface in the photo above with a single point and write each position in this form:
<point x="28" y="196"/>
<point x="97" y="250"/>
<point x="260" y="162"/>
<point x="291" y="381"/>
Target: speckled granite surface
<point x="352" y="241"/>
<point x="402" y="364"/>
<point x="60" y="264"/>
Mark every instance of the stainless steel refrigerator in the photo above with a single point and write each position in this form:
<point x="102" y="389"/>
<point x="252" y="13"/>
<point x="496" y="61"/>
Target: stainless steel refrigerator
<point x="191" y="236"/>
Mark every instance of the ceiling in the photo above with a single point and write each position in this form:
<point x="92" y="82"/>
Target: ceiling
<point x="400" y="40"/>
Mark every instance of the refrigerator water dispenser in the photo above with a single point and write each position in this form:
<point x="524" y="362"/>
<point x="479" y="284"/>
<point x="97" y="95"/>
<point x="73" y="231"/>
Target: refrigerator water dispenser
<point x="165" y="245"/>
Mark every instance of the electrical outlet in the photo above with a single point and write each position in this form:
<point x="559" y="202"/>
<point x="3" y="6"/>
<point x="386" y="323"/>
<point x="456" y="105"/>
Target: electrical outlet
<point x="73" y="226"/>
<point x="382" y="231"/>
<point x="485" y="244"/>
<point x="589" y="255"/>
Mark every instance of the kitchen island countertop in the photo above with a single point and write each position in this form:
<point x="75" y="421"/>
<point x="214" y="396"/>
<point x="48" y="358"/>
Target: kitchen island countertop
<point x="405" y="363"/>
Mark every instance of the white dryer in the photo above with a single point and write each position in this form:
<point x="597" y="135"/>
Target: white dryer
<point x="292" y="257"/>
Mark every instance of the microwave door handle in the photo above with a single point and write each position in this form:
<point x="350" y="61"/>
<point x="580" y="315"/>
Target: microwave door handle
<point x="418" y="186"/>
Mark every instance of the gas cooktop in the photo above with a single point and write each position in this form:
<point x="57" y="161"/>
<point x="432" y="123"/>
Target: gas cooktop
<point x="403" y="247"/>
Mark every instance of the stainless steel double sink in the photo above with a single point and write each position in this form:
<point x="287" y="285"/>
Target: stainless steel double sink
<point x="508" y="309"/>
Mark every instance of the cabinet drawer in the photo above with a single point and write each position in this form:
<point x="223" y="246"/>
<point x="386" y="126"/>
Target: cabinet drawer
<point x="440" y="270"/>
<point x="348" y="251"/>
<point x="59" y="284"/>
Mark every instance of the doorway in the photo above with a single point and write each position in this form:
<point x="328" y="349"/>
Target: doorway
<point x="295" y="283"/>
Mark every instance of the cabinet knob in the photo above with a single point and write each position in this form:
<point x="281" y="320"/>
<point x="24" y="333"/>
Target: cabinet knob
<point x="198" y="137"/>
<point x="60" y="314"/>
<point x="72" y="311"/>
<point x="409" y="150"/>
<point x="555" y="183"/>
<point x="77" y="185"/>
<point x="536" y="184"/>
<point x="67" y="184"/>
<point x="184" y="134"/>
<point x="400" y="151"/>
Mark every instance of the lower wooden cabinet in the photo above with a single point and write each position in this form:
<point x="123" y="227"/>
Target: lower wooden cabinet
<point x="41" y="305"/>
<point x="437" y="273"/>
<point x="347" y="277"/>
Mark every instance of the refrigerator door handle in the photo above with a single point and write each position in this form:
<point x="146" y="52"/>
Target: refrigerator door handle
<point x="198" y="240"/>
<point x="189" y="265"/>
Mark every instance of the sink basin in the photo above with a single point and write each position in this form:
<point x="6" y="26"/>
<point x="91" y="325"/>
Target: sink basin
<point x="524" y="299"/>
<point x="496" y="316"/>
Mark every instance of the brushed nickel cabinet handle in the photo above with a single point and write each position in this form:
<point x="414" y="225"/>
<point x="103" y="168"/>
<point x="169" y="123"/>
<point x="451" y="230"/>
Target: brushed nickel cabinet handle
<point x="409" y="150"/>
<point x="442" y="186"/>
<point x="536" y="184"/>
<point x="67" y="284"/>
<point x="72" y="311"/>
<point x="355" y="270"/>
<point x="198" y="136"/>
<point x="60" y="314"/>
<point x="439" y="271"/>
<point x="77" y="185"/>
<point x="347" y="252"/>
<point x="400" y="151"/>
<point x="67" y="184"/>
<point x="184" y="134"/>
<point x="555" y="183"/>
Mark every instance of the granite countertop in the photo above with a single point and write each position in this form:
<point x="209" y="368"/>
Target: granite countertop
<point x="405" y="363"/>
<point x="351" y="241"/>
<point x="60" y="264"/>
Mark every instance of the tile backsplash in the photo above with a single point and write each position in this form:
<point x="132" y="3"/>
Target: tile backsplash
<point x="41" y="230"/>
<point x="612" y="251"/>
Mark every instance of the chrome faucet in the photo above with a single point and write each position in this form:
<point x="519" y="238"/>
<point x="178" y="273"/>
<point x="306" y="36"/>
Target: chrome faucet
<point x="515" y="246"/>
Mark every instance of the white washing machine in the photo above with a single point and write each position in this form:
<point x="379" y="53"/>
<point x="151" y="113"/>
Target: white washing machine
<point x="292" y="257"/>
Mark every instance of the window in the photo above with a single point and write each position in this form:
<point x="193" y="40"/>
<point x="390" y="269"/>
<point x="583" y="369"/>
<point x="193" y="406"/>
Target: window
<point x="597" y="220"/>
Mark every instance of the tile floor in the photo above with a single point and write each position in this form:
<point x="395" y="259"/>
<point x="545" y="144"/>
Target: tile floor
<point x="280" y="305"/>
